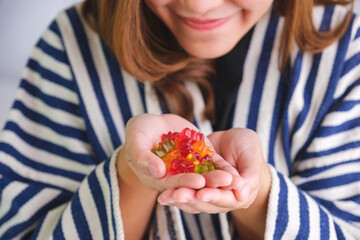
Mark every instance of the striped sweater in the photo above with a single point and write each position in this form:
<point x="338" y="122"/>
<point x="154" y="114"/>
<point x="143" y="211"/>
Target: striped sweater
<point x="58" y="148"/>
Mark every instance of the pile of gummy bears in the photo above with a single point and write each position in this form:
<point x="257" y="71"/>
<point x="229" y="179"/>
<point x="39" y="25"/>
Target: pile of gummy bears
<point x="185" y="152"/>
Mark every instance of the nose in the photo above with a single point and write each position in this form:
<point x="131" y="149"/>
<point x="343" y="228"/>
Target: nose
<point x="201" y="6"/>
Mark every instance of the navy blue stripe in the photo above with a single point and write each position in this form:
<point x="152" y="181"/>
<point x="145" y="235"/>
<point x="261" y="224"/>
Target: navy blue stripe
<point x="15" y="230"/>
<point x="199" y="228"/>
<point x="276" y="121"/>
<point x="330" y="182"/>
<point x="355" y="198"/>
<point x="328" y="131"/>
<point x="339" y="234"/>
<point x="308" y="92"/>
<point x="185" y="225"/>
<point x="19" y="200"/>
<point x="50" y="100"/>
<point x="357" y="34"/>
<point x="351" y="145"/>
<point x="79" y="218"/>
<point x="314" y="171"/>
<point x="286" y="132"/>
<point x="40" y="166"/>
<point x="346" y="105"/>
<point x="55" y="28"/>
<point x="9" y="173"/>
<point x="335" y="211"/>
<point x="142" y="94"/>
<point x="335" y="76"/>
<point x="46" y="122"/>
<point x="106" y="171"/>
<point x="49" y="146"/>
<point x="351" y="63"/>
<point x="118" y="83"/>
<point x="262" y="70"/>
<point x="4" y="182"/>
<point x="55" y="53"/>
<point x="282" y="218"/>
<point x="170" y="223"/>
<point x="98" y="196"/>
<point x="304" y="229"/>
<point x="216" y="225"/>
<point x="94" y="77"/>
<point x="324" y="225"/>
<point x="49" y="75"/>
<point x="154" y="227"/>
<point x="58" y="233"/>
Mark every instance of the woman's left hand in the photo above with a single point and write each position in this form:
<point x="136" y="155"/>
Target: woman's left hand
<point x="242" y="149"/>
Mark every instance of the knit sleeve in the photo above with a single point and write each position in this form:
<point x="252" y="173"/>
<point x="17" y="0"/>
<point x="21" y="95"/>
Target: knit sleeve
<point x="51" y="183"/>
<point x="320" y="199"/>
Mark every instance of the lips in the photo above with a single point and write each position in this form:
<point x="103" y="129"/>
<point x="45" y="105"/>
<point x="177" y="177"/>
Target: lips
<point x="204" y="24"/>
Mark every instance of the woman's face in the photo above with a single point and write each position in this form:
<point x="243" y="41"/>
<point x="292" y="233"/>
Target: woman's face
<point x="209" y="28"/>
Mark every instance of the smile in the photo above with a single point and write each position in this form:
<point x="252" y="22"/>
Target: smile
<point x="204" y="24"/>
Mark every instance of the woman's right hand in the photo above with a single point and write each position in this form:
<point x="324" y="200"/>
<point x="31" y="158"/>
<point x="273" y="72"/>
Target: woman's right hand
<point x="143" y="132"/>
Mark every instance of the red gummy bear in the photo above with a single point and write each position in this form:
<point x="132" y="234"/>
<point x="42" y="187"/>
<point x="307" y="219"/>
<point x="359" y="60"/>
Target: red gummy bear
<point x="179" y="165"/>
<point x="192" y="134"/>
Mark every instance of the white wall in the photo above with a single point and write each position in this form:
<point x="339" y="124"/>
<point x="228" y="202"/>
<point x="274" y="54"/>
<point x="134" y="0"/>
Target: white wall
<point x="21" y="24"/>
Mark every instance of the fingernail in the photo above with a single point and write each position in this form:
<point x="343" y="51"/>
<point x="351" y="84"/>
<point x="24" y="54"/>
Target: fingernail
<point x="153" y="170"/>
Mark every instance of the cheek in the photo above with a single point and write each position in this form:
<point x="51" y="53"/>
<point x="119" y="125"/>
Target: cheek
<point x="251" y="4"/>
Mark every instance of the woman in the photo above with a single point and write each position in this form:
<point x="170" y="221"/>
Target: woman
<point x="274" y="84"/>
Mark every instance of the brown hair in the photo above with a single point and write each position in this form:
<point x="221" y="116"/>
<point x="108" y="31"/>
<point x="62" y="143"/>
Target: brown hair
<point x="147" y="50"/>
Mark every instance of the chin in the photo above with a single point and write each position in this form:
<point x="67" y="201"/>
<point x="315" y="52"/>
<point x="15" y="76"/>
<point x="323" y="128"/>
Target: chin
<point x="209" y="49"/>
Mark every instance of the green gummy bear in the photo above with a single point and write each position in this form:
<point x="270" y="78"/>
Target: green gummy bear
<point x="164" y="147"/>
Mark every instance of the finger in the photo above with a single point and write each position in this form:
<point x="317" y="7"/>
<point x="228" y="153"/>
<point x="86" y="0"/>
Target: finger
<point x="186" y="180"/>
<point x="186" y="200"/>
<point x="220" y="198"/>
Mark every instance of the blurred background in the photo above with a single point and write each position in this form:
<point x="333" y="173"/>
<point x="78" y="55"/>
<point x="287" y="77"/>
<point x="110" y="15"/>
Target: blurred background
<point x="21" y="24"/>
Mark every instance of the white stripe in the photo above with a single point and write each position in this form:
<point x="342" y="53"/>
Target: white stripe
<point x="320" y="88"/>
<point x="225" y="231"/>
<point x="336" y="171"/>
<point x="90" y="210"/>
<point x="151" y="99"/>
<point x="314" y="218"/>
<point x="192" y="225"/>
<point x="50" y="222"/>
<point x="53" y="39"/>
<point x="207" y="226"/>
<point x="349" y="206"/>
<point x="68" y="224"/>
<point x="119" y="229"/>
<point x="338" y="192"/>
<point x="131" y="86"/>
<point x="33" y="174"/>
<point x="50" y="63"/>
<point x="50" y="88"/>
<point x="48" y="134"/>
<point x="268" y="98"/>
<point x="250" y="67"/>
<point x="347" y="155"/>
<point x="337" y="118"/>
<point x="42" y="156"/>
<point x="10" y="192"/>
<point x="279" y="156"/>
<point x="85" y="86"/>
<point x="178" y="224"/>
<point x="336" y="140"/>
<point x="105" y="80"/>
<point x="272" y="205"/>
<point x="54" y="114"/>
<point x="293" y="223"/>
<point x="107" y="197"/>
<point x="199" y="106"/>
<point x="162" y="222"/>
<point x="27" y="210"/>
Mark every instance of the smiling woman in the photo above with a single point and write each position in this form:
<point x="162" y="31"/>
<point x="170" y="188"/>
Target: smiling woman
<point x="273" y="86"/>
